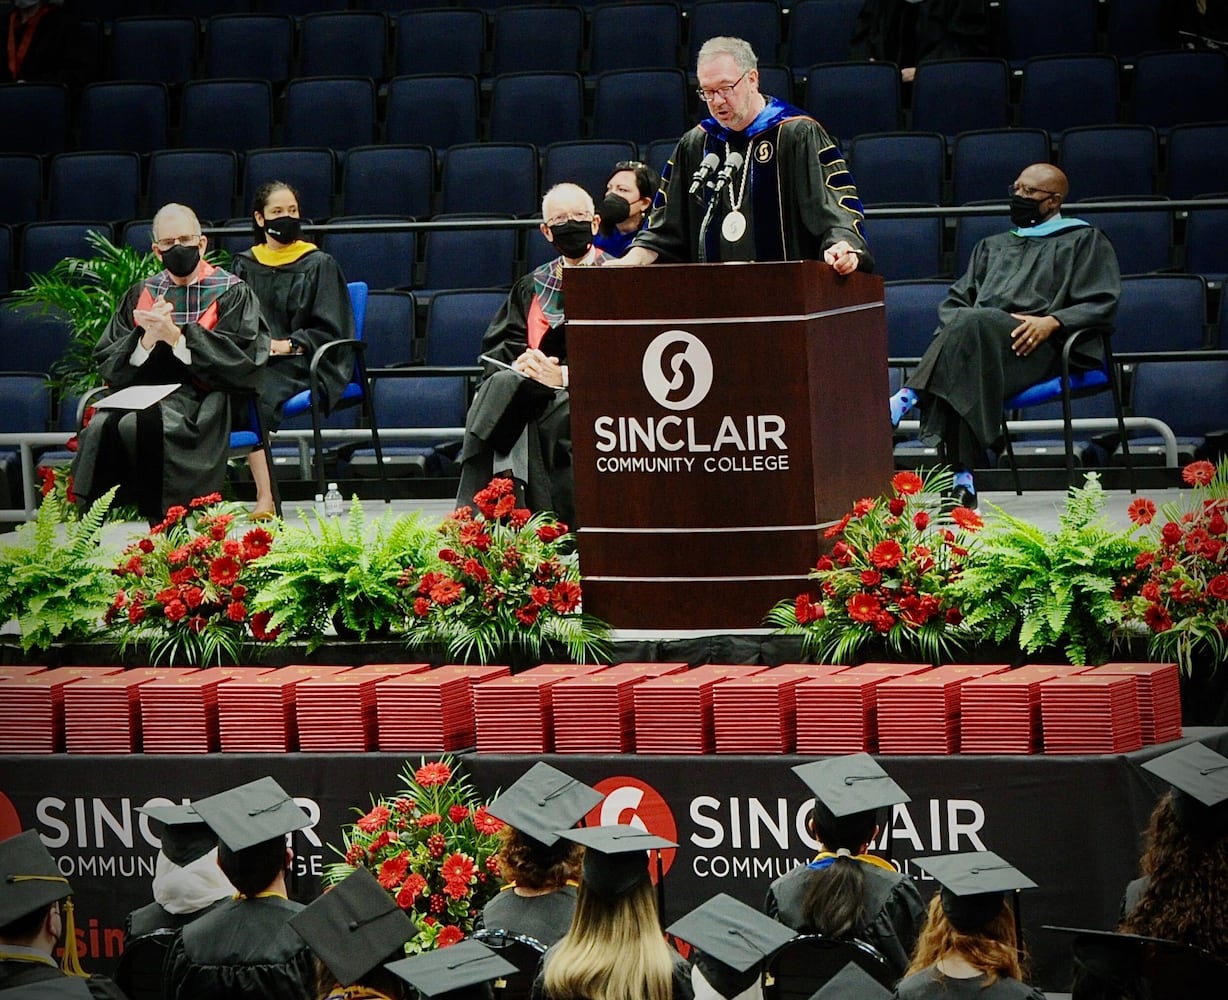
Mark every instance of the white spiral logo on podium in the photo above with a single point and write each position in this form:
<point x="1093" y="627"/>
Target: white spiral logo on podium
<point x="677" y="370"/>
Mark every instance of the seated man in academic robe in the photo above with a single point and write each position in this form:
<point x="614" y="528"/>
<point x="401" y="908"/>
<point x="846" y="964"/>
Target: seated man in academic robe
<point x="191" y="325"/>
<point x="519" y="423"/>
<point x="1002" y="324"/>
<point x="35" y="916"/>
<point x="757" y="180"/>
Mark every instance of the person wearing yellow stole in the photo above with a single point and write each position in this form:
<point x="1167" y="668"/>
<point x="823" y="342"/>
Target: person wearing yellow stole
<point x="845" y="892"/>
<point x="304" y="299"/>
<point x="35" y="913"/>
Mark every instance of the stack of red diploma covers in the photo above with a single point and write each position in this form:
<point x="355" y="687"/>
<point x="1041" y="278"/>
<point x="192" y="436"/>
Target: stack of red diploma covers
<point x="673" y="714"/>
<point x="595" y="713"/>
<point x="103" y="714"/>
<point x="515" y="714"/>
<point x="179" y="714"/>
<point x="1090" y="713"/>
<point x="1159" y="697"/>
<point x="337" y="712"/>
<point x="919" y="713"/>
<point x="256" y="714"/>
<point x="32" y="708"/>
<point x="838" y="713"/>
<point x="432" y="710"/>
<point x="757" y="714"/>
<point x="1001" y="713"/>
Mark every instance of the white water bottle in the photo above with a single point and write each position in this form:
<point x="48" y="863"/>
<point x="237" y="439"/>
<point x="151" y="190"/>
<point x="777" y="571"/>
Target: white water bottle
<point x="318" y="505"/>
<point x="333" y="504"/>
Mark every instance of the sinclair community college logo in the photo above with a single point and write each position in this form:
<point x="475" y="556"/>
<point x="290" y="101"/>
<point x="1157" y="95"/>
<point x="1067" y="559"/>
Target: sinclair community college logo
<point x="677" y="370"/>
<point x="635" y="803"/>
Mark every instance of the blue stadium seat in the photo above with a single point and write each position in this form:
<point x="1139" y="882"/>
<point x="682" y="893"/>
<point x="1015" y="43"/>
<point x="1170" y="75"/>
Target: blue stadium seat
<point x="820" y="31"/>
<point x="1136" y="26"/>
<point x="416" y="402"/>
<point x="206" y="8"/>
<point x="456" y="322"/>
<point x="854" y="97"/>
<point x="1161" y="390"/>
<point x="343" y="43"/>
<point x="383" y="260"/>
<point x="154" y="48"/>
<point x="206" y="179"/>
<point x="388" y="180"/>
<point x="440" y="41"/>
<point x="971" y="229"/>
<point x="1029" y="28"/>
<point x="1061" y="92"/>
<point x="757" y="21"/>
<point x="899" y="167"/>
<point x="36" y="118"/>
<point x="658" y="152"/>
<point x="390" y="328"/>
<point x="333" y="111"/>
<point x="984" y="163"/>
<point x="21" y="187"/>
<point x="634" y="36"/>
<point x="45" y="244"/>
<point x="620" y="111"/>
<point x="905" y="247"/>
<point x="1206" y="245"/>
<point x="776" y="80"/>
<point x="960" y="95"/>
<point x="226" y="114"/>
<point x="1162" y="312"/>
<point x="912" y="315"/>
<point x="490" y="177"/>
<point x="1197" y="160"/>
<point x="540" y="108"/>
<point x="536" y="38"/>
<point x="589" y="163"/>
<point x="258" y="46"/>
<point x="1116" y="160"/>
<point x="311" y="171"/>
<point x="121" y="115"/>
<point x="1143" y="240"/>
<point x="438" y="111"/>
<point x="32" y="340"/>
<point x="1172" y="88"/>
<point x="94" y="186"/>
<point x="475" y="258"/>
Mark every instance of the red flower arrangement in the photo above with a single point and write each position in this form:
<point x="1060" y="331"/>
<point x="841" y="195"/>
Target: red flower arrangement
<point x="1180" y="586"/>
<point x="504" y="579"/>
<point x="432" y="847"/>
<point x="887" y="577"/>
<point x="185" y="586"/>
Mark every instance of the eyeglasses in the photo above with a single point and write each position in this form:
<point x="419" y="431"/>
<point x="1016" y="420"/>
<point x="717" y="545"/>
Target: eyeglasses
<point x="177" y="241"/>
<point x="1028" y="192"/>
<point x="558" y="220"/>
<point x="629" y="165"/>
<point x="725" y="92"/>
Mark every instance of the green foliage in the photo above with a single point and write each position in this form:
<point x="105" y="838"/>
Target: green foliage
<point x="1051" y="592"/>
<point x="340" y="571"/>
<point x="58" y="585"/>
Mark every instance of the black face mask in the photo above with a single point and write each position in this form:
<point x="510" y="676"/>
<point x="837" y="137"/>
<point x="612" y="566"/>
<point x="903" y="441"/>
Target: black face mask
<point x="284" y="229"/>
<point x="181" y="261"/>
<point x="1025" y="212"/>
<point x="614" y="209"/>
<point x="572" y="239"/>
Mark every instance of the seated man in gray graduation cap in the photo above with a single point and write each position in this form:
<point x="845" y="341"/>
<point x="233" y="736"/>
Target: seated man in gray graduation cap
<point x="463" y="971"/>
<point x="353" y="929"/>
<point x="245" y="947"/>
<point x="846" y="892"/>
<point x="35" y="914"/>
<point x="187" y="881"/>
<point x="541" y="868"/>
<point x="615" y="947"/>
<point x="971" y="942"/>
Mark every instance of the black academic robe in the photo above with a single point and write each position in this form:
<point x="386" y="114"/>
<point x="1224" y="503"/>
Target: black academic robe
<point x="177" y="449"/>
<point x="307" y="303"/>
<point x="930" y="984"/>
<point x="507" y="403"/>
<point x="894" y="912"/>
<point x="970" y="368"/>
<point x="36" y="981"/>
<point x="243" y="948"/>
<point x="798" y="200"/>
<point x="544" y="918"/>
<point x="56" y="53"/>
<point x="156" y="917"/>
<point x="907" y="34"/>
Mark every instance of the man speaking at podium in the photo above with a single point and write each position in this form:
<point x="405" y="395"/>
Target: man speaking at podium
<point x="757" y="180"/>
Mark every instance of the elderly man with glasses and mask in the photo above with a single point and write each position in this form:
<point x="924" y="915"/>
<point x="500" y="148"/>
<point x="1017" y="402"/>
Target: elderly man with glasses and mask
<point x="519" y="424"/>
<point x="757" y="180"/>
<point x="1002" y="324"/>
<point x="193" y="336"/>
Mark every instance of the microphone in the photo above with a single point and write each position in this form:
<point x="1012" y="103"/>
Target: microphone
<point x="706" y="170"/>
<point x="732" y="162"/>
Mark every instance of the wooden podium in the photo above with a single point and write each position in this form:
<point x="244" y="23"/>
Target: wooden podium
<point x="721" y="414"/>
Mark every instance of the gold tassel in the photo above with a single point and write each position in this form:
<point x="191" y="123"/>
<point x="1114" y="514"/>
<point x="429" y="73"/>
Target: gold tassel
<point x="70" y="964"/>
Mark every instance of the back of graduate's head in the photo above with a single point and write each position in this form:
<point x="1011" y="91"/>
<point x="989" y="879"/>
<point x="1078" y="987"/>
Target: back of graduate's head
<point x="253" y="869"/>
<point x="835" y="899"/>
<point x="988" y="944"/>
<point x="24" y="929"/>
<point x="853" y="831"/>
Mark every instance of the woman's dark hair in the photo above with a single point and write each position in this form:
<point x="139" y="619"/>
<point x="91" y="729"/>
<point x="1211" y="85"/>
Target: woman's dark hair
<point x="647" y="180"/>
<point x="834" y="904"/>
<point x="252" y="869"/>
<point x="261" y="198"/>
<point x="531" y="864"/>
<point x="378" y="979"/>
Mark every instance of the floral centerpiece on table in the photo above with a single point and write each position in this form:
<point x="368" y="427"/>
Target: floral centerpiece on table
<point x="888" y="577"/>
<point x="505" y="581"/>
<point x="185" y="586"/>
<point x="432" y="846"/>
<point x="1180" y="587"/>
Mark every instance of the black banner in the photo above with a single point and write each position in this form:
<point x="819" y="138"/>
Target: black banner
<point x="1073" y="824"/>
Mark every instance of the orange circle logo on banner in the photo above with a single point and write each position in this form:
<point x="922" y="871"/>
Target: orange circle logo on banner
<point x="635" y="803"/>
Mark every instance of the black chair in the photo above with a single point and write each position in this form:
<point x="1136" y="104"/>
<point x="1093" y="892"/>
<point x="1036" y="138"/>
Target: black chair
<point x="540" y="108"/>
<point x="343" y="43"/>
<point x="799" y="969"/>
<point x="523" y="952"/>
<point x="139" y="973"/>
<point x="519" y="33"/>
<point x="444" y="40"/>
<point x="438" y="111"/>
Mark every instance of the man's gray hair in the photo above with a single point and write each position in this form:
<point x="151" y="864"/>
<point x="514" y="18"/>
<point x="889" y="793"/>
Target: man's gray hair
<point x="725" y="45"/>
<point x="566" y="187"/>
<point x="172" y="208"/>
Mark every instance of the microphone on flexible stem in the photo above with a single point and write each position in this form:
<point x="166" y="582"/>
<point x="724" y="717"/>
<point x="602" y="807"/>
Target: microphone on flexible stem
<point x="706" y="169"/>
<point x="732" y="162"/>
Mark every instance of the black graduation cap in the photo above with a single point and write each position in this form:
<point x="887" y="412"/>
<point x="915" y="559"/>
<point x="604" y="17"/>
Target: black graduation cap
<point x="615" y="856"/>
<point x="461" y="966"/>
<point x="1199" y="777"/>
<point x="1139" y="965"/>
<point x="852" y="983"/>
<point x="544" y="801"/>
<point x="29" y="878"/>
<point x="353" y="927"/>
<point x="973" y="885"/>
<point x="851" y="784"/>
<point x="251" y="814"/>
<point x="731" y="932"/>
<point x="185" y="836"/>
